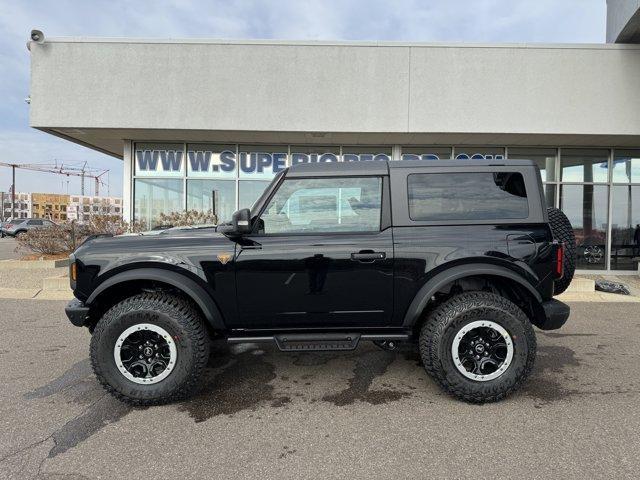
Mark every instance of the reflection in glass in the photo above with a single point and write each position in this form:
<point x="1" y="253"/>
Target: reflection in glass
<point x="625" y="227"/>
<point x="151" y="197"/>
<point x="324" y="205"/>
<point x="544" y="157"/>
<point x="212" y="196"/>
<point x="250" y="190"/>
<point x="586" y="208"/>
<point x="466" y="152"/>
<point x="550" y="194"/>
<point x="426" y="153"/>
<point x="467" y="196"/>
<point x="626" y="166"/>
<point x="584" y="165"/>
<point x="354" y="154"/>
<point x="314" y="153"/>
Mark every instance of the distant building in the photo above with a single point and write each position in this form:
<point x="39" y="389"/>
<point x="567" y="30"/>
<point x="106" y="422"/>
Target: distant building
<point x="49" y="205"/>
<point x="83" y="207"/>
<point x="22" y="207"/>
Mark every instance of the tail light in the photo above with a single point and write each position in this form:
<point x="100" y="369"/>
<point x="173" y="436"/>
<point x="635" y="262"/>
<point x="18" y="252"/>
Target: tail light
<point x="559" y="260"/>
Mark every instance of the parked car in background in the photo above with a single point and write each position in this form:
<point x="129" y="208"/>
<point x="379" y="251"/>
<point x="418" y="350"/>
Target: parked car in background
<point x="19" y="226"/>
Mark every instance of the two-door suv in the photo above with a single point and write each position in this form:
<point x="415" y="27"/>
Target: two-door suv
<point x="462" y="258"/>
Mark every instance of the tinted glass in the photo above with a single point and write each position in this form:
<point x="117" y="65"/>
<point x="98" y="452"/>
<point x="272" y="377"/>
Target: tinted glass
<point x="212" y="196"/>
<point x="467" y="196"/>
<point x="426" y="153"/>
<point x="155" y="196"/>
<point x="466" y="152"/>
<point x="586" y="208"/>
<point x="35" y="222"/>
<point x="584" y="165"/>
<point x="626" y="166"/>
<point x="250" y="190"/>
<point x="544" y="157"/>
<point x="325" y="205"/>
<point x="625" y="227"/>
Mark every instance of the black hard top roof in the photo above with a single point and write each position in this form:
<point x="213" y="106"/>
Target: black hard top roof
<point x="381" y="167"/>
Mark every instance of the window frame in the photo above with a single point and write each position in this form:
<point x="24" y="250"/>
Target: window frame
<point x="383" y="201"/>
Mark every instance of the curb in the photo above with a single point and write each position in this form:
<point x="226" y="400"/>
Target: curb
<point x="32" y="264"/>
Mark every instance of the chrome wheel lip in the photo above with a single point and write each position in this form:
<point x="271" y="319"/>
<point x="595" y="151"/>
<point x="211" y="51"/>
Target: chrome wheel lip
<point x="173" y="353"/>
<point x="504" y="366"/>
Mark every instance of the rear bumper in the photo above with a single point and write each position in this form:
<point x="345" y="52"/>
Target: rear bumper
<point x="76" y="312"/>
<point x="556" y="314"/>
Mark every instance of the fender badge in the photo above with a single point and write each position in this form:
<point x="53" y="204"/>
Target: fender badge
<point x="224" y="257"/>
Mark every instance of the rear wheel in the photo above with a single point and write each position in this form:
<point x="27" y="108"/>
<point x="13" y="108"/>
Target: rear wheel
<point x="478" y="346"/>
<point x="563" y="232"/>
<point x="150" y="349"/>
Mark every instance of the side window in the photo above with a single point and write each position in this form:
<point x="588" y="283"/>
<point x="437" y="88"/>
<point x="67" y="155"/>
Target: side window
<point x="467" y="196"/>
<point x="309" y="205"/>
<point x="35" y="222"/>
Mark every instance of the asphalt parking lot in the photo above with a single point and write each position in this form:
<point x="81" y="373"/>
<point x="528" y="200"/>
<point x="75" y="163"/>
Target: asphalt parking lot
<point x="7" y="248"/>
<point x="363" y="414"/>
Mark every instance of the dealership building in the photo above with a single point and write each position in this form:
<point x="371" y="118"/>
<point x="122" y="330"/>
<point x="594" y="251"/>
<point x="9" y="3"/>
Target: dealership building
<point x="205" y="124"/>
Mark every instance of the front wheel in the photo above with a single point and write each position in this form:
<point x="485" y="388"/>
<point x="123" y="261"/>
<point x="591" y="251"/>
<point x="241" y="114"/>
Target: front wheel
<point x="150" y="349"/>
<point x="478" y="346"/>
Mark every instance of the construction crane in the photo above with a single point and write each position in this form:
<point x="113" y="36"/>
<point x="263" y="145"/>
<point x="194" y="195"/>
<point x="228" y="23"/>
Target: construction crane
<point x="59" y="169"/>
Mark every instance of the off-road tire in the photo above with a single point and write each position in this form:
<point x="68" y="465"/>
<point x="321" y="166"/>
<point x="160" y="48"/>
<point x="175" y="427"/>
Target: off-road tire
<point x="563" y="232"/>
<point x="440" y="328"/>
<point x="175" y="315"/>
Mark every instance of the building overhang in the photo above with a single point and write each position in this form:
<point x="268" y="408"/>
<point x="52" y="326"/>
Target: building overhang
<point x="100" y="93"/>
<point x="111" y="141"/>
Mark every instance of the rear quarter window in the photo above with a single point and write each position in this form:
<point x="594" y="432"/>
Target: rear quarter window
<point x="467" y="196"/>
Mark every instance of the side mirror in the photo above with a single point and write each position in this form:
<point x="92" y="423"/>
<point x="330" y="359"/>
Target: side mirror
<point x="241" y="221"/>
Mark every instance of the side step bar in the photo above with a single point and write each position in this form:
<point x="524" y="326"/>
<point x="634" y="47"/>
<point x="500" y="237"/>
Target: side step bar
<point x="306" y="342"/>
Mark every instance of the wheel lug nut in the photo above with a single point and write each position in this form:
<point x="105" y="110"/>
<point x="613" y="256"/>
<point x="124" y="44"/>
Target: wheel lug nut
<point x="141" y="356"/>
<point x="477" y="357"/>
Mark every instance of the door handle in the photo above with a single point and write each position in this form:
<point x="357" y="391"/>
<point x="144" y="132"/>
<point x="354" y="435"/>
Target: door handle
<point x="368" y="256"/>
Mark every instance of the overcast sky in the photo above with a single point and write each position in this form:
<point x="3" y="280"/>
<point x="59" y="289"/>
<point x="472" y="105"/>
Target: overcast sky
<point x="481" y="21"/>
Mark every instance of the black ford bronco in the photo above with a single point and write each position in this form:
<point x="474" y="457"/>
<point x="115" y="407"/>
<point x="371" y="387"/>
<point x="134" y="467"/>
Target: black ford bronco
<point x="461" y="258"/>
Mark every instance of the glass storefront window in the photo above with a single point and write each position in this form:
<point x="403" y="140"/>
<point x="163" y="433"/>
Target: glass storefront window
<point x="211" y="161"/>
<point x="355" y="154"/>
<point x="586" y="208"/>
<point x="261" y="161"/>
<point x="550" y="194"/>
<point x="314" y="153"/>
<point x="466" y="152"/>
<point x="155" y="196"/>
<point x="426" y="153"/>
<point x="544" y="157"/>
<point x="584" y="165"/>
<point x="159" y="160"/>
<point x="212" y="196"/>
<point x="625" y="227"/>
<point x="250" y="190"/>
<point x="626" y="166"/>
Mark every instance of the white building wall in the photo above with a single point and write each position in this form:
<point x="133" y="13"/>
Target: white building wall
<point x="384" y="88"/>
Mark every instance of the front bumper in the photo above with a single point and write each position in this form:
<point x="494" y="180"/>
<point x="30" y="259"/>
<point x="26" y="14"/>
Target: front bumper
<point x="77" y="313"/>
<point x="556" y="314"/>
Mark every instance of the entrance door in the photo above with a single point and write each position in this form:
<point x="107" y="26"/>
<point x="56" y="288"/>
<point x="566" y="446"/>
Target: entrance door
<point x="319" y="258"/>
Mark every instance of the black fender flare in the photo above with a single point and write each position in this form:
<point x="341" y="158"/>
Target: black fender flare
<point x="194" y="291"/>
<point x="434" y="284"/>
